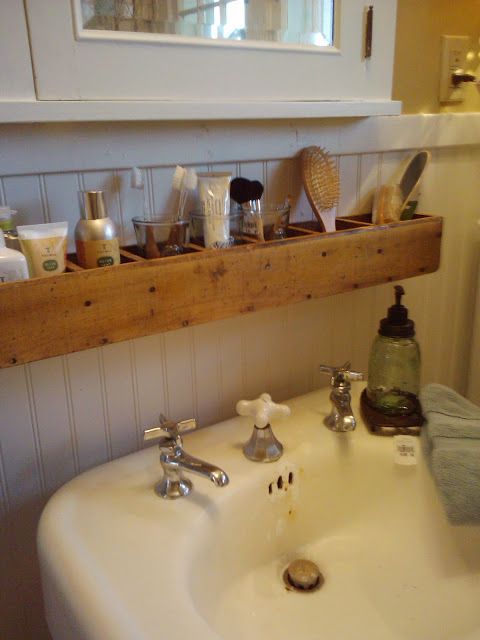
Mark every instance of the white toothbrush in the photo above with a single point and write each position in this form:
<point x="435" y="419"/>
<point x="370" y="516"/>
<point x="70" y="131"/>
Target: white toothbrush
<point x="189" y="184"/>
<point x="178" y="180"/>
<point x="184" y="181"/>
<point x="137" y="182"/>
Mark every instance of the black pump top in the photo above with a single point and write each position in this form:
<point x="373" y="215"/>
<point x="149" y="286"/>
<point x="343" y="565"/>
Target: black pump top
<point x="397" y="323"/>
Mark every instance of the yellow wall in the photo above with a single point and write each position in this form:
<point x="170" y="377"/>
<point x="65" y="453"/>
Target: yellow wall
<point x="420" y="25"/>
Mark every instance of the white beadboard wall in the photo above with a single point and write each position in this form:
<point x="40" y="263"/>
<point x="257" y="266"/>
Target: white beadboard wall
<point x="61" y="416"/>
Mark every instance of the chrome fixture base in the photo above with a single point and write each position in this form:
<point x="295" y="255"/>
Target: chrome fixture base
<point x="263" y="446"/>
<point x="171" y="489"/>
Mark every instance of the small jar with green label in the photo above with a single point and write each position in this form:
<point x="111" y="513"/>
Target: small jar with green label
<point x="6" y="218"/>
<point x="96" y="238"/>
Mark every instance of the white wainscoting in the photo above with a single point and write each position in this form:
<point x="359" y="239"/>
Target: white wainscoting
<point x="61" y="416"/>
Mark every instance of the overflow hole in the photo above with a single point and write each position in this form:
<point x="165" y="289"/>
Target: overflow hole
<point x="290" y="478"/>
<point x="280" y="482"/>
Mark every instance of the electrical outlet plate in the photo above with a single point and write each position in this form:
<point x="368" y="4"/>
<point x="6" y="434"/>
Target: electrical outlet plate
<point x="454" y="55"/>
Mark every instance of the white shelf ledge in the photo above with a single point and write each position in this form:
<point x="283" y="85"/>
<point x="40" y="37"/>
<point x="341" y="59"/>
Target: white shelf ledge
<point x="90" y="111"/>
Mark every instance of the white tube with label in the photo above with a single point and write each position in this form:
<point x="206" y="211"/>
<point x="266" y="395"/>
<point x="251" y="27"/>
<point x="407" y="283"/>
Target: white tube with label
<point x="45" y="247"/>
<point x="214" y="193"/>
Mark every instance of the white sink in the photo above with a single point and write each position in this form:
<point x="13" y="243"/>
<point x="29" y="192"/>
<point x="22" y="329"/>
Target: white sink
<point x="119" y="563"/>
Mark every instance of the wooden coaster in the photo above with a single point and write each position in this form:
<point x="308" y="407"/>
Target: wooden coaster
<point x="383" y="425"/>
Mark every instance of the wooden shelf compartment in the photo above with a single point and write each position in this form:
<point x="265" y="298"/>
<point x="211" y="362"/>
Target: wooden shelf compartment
<point x="81" y="309"/>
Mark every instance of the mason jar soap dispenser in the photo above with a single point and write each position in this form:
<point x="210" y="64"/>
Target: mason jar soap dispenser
<point x="96" y="238"/>
<point x="390" y="401"/>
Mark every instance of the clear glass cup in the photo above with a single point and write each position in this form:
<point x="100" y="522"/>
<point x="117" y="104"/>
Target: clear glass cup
<point x="274" y="220"/>
<point x="216" y="231"/>
<point x="159" y="237"/>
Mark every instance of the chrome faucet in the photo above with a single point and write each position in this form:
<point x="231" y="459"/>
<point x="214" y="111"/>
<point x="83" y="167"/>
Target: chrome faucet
<point x="175" y="460"/>
<point x="341" y="417"/>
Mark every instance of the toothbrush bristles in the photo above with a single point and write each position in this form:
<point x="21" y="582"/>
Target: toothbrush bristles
<point x="191" y="179"/>
<point x="178" y="177"/>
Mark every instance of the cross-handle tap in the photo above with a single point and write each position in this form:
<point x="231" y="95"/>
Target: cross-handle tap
<point x="169" y="430"/>
<point x="175" y="460"/>
<point x="263" y="446"/>
<point x="341" y="417"/>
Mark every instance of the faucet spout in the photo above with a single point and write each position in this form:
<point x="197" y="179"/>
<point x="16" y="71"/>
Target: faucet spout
<point x="175" y="460"/>
<point x="341" y="417"/>
<point x="179" y="460"/>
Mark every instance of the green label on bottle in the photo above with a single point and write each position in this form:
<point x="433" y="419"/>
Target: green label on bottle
<point x="105" y="261"/>
<point x="50" y="265"/>
<point x="6" y="224"/>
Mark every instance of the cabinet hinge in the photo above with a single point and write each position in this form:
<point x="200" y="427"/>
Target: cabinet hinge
<point x="368" y="32"/>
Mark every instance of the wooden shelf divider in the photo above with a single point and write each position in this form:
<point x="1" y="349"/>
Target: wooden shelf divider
<point x="46" y="317"/>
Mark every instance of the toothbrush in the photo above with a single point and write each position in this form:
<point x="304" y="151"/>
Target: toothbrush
<point x="137" y="182"/>
<point x="189" y="184"/>
<point x="184" y="180"/>
<point x="178" y="180"/>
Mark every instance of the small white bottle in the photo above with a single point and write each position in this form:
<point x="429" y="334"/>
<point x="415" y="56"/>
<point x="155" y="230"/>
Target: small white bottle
<point x="13" y="264"/>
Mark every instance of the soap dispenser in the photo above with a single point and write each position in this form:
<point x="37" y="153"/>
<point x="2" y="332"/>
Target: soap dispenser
<point x="390" y="402"/>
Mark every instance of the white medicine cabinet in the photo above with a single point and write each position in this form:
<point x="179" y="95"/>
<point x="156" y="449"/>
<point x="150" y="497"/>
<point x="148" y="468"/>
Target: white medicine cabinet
<point x="139" y="59"/>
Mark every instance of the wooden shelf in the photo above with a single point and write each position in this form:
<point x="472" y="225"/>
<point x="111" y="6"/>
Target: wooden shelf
<point x="45" y="317"/>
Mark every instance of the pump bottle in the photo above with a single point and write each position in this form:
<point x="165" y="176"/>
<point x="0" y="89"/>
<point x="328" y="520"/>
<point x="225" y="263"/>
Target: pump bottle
<point x="394" y="365"/>
<point x="96" y="238"/>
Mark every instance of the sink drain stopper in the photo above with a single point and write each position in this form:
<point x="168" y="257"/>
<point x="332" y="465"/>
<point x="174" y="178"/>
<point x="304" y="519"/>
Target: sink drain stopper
<point x="302" y="575"/>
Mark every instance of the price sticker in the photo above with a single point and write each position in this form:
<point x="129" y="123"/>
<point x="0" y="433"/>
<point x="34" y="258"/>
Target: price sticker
<point x="405" y="450"/>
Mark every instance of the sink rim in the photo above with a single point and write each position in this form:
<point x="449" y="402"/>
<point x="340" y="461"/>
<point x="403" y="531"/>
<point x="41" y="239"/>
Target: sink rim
<point x="69" y="593"/>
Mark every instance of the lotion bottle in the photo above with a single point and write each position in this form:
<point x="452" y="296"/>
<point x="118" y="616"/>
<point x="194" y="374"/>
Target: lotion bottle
<point x="96" y="238"/>
<point x="13" y="264"/>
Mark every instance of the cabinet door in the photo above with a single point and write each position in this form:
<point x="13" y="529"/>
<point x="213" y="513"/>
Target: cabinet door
<point x="75" y="63"/>
<point x="16" y="77"/>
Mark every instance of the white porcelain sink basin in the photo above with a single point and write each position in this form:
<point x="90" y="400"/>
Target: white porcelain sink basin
<point x="119" y="563"/>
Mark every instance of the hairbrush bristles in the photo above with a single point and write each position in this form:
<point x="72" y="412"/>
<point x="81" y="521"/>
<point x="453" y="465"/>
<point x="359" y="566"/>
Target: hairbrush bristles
<point x="320" y="181"/>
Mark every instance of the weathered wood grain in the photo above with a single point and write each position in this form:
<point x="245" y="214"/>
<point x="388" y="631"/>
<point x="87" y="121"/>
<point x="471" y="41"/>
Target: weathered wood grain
<point x="46" y="317"/>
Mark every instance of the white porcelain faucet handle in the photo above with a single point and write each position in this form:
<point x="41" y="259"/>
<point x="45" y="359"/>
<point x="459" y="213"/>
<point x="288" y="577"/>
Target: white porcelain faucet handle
<point x="262" y="410"/>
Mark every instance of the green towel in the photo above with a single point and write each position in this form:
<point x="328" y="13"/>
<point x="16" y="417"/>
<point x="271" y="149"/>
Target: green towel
<point x="451" y="443"/>
<point x="448" y="414"/>
<point x="455" y="465"/>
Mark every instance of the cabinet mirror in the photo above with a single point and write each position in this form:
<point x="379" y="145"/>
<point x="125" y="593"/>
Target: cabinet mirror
<point x="298" y="22"/>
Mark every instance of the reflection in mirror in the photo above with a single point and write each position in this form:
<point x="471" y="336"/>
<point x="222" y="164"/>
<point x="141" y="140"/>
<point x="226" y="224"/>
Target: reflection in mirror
<point x="307" y="22"/>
